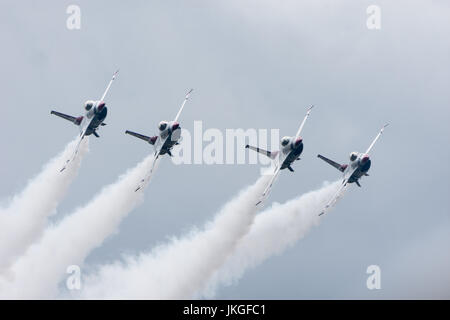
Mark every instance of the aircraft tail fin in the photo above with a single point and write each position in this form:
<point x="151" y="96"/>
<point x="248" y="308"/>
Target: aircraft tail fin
<point x="332" y="163"/>
<point x="269" y="154"/>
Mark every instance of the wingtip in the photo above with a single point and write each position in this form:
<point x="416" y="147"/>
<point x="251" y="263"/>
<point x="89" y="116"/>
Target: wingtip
<point x="189" y="93"/>
<point x="382" y="129"/>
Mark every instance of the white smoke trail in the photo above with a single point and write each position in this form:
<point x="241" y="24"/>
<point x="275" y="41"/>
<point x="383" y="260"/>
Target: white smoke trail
<point x="24" y="220"/>
<point x="183" y="266"/>
<point x="273" y="231"/>
<point x="38" y="272"/>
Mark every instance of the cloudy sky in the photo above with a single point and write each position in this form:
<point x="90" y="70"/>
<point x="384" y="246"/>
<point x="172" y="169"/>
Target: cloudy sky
<point x="253" y="64"/>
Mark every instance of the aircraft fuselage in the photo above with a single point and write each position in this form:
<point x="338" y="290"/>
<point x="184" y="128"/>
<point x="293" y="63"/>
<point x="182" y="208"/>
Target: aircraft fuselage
<point x="172" y="139"/>
<point x="362" y="165"/>
<point x="293" y="155"/>
<point x="96" y="120"/>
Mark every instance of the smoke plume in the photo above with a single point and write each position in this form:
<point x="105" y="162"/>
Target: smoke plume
<point x="273" y="231"/>
<point x="37" y="273"/>
<point x="25" y="218"/>
<point x="180" y="268"/>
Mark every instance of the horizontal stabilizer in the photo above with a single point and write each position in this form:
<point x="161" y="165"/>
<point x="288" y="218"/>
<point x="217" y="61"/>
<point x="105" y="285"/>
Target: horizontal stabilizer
<point x="331" y="162"/>
<point x="269" y="154"/>
<point x="150" y="140"/>
<point x="74" y="120"/>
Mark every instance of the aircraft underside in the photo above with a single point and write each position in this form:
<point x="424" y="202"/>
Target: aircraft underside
<point x="96" y="122"/>
<point x="360" y="172"/>
<point x="168" y="145"/>
<point x="292" y="157"/>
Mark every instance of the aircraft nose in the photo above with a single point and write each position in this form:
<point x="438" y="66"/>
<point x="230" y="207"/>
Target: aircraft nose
<point x="365" y="158"/>
<point x="175" y="126"/>
<point x="298" y="141"/>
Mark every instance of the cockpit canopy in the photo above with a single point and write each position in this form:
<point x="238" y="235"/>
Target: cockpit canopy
<point x="162" y="125"/>
<point x="285" y="141"/>
<point x="353" y="156"/>
<point x="88" y="105"/>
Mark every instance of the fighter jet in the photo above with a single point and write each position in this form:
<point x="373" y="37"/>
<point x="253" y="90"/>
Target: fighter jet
<point x="168" y="136"/>
<point x="95" y="114"/>
<point x="290" y="151"/>
<point x="358" y="167"/>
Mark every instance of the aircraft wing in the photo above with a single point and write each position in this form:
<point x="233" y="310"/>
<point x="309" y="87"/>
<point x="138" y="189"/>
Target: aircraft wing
<point x="109" y="85"/>
<point x="141" y="136"/>
<point x="339" y="193"/>
<point x="147" y="177"/>
<point x="182" y="105"/>
<point x="376" y="138"/>
<point x="75" y="152"/>
<point x="269" y="185"/>
<point x="72" y="119"/>
<point x="83" y="129"/>
<point x="304" y="121"/>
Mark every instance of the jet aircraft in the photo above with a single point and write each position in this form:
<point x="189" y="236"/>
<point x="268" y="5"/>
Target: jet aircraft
<point x="358" y="167"/>
<point x="290" y="151"/>
<point x="168" y="136"/>
<point x="95" y="114"/>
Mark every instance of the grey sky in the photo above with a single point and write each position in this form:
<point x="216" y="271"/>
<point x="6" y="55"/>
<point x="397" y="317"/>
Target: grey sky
<point x="253" y="64"/>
